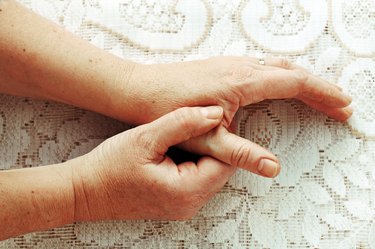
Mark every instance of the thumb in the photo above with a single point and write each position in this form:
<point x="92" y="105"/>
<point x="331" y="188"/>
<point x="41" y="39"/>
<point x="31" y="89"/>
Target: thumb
<point x="183" y="124"/>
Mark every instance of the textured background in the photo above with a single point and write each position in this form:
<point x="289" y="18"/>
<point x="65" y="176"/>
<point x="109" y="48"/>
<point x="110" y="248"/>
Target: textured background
<point x="325" y="194"/>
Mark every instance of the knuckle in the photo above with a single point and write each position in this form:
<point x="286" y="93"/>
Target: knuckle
<point x="183" y="117"/>
<point x="301" y="78"/>
<point x="243" y="78"/>
<point x="284" y="63"/>
<point x="241" y="155"/>
<point x="300" y="75"/>
<point x="320" y="96"/>
<point x="242" y="73"/>
<point x="330" y="93"/>
<point x="143" y="138"/>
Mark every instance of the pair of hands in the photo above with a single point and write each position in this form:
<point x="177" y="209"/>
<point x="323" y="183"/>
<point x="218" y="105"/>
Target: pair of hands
<point x="189" y="104"/>
<point x="129" y="175"/>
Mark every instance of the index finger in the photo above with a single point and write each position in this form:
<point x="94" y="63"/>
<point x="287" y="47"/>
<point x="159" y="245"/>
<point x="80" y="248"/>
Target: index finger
<point x="282" y="63"/>
<point x="301" y="85"/>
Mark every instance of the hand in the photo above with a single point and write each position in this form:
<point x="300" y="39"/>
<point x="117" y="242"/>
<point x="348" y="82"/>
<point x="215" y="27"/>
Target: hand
<point x="129" y="176"/>
<point x="232" y="82"/>
<point x="101" y="82"/>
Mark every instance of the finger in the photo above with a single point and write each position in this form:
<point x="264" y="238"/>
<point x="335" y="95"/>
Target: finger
<point x="264" y="67"/>
<point x="336" y="86"/>
<point x="187" y="169"/>
<point x="207" y="167"/>
<point x="255" y="63"/>
<point x="271" y="64"/>
<point x="207" y="177"/>
<point x="298" y="84"/>
<point x="214" y="172"/>
<point x="245" y="154"/>
<point x="341" y="114"/>
<point x="183" y="124"/>
<point x="236" y="151"/>
<point x="286" y="64"/>
<point x="282" y="63"/>
<point x="323" y="92"/>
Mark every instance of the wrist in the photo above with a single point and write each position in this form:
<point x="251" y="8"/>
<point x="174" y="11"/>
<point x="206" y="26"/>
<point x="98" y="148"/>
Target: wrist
<point x="90" y="197"/>
<point x="43" y="196"/>
<point x="64" y="192"/>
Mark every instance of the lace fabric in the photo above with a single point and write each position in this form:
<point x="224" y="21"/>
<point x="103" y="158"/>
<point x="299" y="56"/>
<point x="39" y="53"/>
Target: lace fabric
<point x="325" y="194"/>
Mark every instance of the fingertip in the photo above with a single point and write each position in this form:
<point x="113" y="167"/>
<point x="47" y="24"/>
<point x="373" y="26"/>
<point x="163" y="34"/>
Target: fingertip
<point x="268" y="168"/>
<point x="348" y="99"/>
<point x="187" y="168"/>
<point x="347" y="112"/>
<point x="341" y="99"/>
<point x="278" y="170"/>
<point x="337" y="87"/>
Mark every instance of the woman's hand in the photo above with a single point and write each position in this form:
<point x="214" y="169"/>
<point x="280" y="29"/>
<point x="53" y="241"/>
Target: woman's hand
<point x="99" y="81"/>
<point x="129" y="176"/>
<point x="232" y="82"/>
<point x="126" y="177"/>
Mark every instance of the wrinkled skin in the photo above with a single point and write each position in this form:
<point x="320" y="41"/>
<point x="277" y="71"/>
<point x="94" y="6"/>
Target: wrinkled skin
<point x="129" y="176"/>
<point x="232" y="82"/>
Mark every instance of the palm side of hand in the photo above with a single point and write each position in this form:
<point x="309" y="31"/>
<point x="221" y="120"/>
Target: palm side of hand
<point x="232" y="82"/>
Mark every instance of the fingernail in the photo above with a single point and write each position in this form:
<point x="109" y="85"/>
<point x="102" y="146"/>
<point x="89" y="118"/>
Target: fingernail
<point x="268" y="168"/>
<point x="349" y="110"/>
<point x="338" y="87"/>
<point x="348" y="98"/>
<point x="212" y="112"/>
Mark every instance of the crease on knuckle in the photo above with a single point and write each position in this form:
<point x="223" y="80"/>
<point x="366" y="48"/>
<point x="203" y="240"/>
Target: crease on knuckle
<point x="184" y="117"/>
<point x="318" y="96"/>
<point x="301" y="78"/>
<point x="240" y="74"/>
<point x="241" y="155"/>
<point x="328" y="95"/>
<point x="285" y="63"/>
<point x="143" y="138"/>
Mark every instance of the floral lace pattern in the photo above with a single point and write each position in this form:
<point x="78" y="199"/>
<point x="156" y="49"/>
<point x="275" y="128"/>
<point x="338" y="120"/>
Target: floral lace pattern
<point x="325" y="194"/>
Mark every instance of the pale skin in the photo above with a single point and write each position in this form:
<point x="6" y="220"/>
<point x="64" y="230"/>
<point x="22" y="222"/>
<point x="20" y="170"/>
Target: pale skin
<point x="189" y="104"/>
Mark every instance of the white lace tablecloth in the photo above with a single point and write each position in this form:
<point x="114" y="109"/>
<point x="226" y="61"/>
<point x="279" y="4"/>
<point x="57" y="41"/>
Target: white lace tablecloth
<point x="325" y="194"/>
